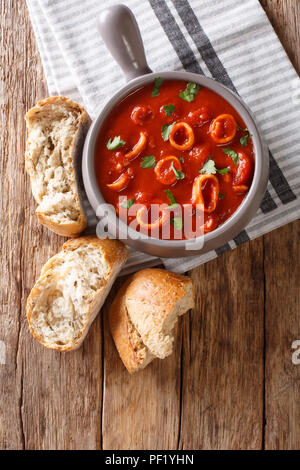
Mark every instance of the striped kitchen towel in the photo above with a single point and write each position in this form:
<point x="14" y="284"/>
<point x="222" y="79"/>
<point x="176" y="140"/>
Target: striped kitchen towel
<point x="229" y="40"/>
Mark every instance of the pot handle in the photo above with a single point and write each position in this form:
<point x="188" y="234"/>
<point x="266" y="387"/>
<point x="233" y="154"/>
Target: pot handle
<point x="120" y="33"/>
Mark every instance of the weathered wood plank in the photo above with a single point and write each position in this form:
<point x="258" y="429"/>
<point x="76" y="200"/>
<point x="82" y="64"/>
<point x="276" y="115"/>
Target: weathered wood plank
<point x="282" y="274"/>
<point x="140" y="411"/>
<point x="16" y="212"/>
<point x="48" y="400"/>
<point x="222" y="389"/>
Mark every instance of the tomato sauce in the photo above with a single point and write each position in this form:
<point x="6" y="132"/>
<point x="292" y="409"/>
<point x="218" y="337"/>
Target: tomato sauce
<point x="199" y="150"/>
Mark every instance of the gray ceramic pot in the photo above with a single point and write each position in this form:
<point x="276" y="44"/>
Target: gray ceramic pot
<point x="120" y="32"/>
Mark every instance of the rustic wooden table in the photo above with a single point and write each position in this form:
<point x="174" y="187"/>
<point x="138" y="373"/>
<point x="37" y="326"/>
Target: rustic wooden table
<point x="231" y="383"/>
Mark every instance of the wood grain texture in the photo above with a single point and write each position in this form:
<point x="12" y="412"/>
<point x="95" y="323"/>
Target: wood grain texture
<point x="142" y="410"/>
<point x="284" y="16"/>
<point x="211" y="393"/>
<point x="47" y="400"/>
<point x="282" y="275"/>
<point x="282" y="328"/>
<point x="222" y="388"/>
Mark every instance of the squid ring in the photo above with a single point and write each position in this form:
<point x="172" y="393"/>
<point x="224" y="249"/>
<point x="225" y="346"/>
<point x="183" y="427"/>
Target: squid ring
<point x="164" y="172"/>
<point x="120" y="183"/>
<point x="197" y="193"/>
<point x="223" y="129"/>
<point x="140" y="217"/>
<point x="188" y="133"/>
<point x="138" y="148"/>
<point x="210" y="225"/>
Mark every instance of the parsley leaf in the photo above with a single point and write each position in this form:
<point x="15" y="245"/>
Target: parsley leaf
<point x="209" y="168"/>
<point x="148" y="162"/>
<point x="165" y="131"/>
<point x="181" y="159"/>
<point x="115" y="143"/>
<point x="127" y="204"/>
<point x="169" y="109"/>
<point x="244" y="139"/>
<point x="171" y="197"/>
<point x="177" y="221"/>
<point x="189" y="94"/>
<point x="231" y="153"/>
<point x="157" y="84"/>
<point x="223" y="171"/>
<point x="221" y="196"/>
<point x="178" y="173"/>
<point x="172" y="207"/>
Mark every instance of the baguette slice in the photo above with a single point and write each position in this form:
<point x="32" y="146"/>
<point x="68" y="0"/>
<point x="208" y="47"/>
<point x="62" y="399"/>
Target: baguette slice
<point x="56" y="131"/>
<point x="143" y="315"/>
<point x="71" y="290"/>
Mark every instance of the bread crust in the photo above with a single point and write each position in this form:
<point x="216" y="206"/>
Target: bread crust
<point x="72" y="229"/>
<point x="115" y="254"/>
<point x="163" y="288"/>
<point x="156" y="287"/>
<point x="118" y="322"/>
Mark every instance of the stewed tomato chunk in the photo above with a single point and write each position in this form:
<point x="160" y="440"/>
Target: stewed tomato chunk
<point x="199" y="117"/>
<point x="244" y="170"/>
<point x="178" y="145"/>
<point x="166" y="170"/>
<point x="200" y="154"/>
<point x="140" y="114"/>
<point x="210" y="224"/>
<point x="241" y="188"/>
<point x="223" y="129"/>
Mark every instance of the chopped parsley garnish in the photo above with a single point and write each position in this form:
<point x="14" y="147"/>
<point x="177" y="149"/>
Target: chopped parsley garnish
<point x="127" y="204"/>
<point x="244" y="139"/>
<point x="169" y="109"/>
<point x="231" y="153"/>
<point x="181" y="159"/>
<point x="148" y="162"/>
<point x="115" y="143"/>
<point x="209" y="168"/>
<point x="165" y="131"/>
<point x="177" y="221"/>
<point x="189" y="94"/>
<point x="221" y="196"/>
<point x="171" y="197"/>
<point x="157" y="84"/>
<point x="178" y="173"/>
<point x="223" y="171"/>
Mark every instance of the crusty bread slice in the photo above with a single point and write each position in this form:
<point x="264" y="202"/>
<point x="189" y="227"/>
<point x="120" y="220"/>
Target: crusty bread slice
<point x="134" y="354"/>
<point x="143" y="315"/>
<point x="71" y="290"/>
<point x="56" y="131"/>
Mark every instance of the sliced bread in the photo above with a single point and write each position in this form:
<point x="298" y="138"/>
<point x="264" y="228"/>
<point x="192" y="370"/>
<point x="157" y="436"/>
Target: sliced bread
<point x="71" y="290"/>
<point x="143" y="315"/>
<point x="56" y="131"/>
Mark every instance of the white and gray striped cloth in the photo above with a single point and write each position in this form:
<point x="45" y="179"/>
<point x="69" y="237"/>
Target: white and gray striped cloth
<point x="229" y="40"/>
